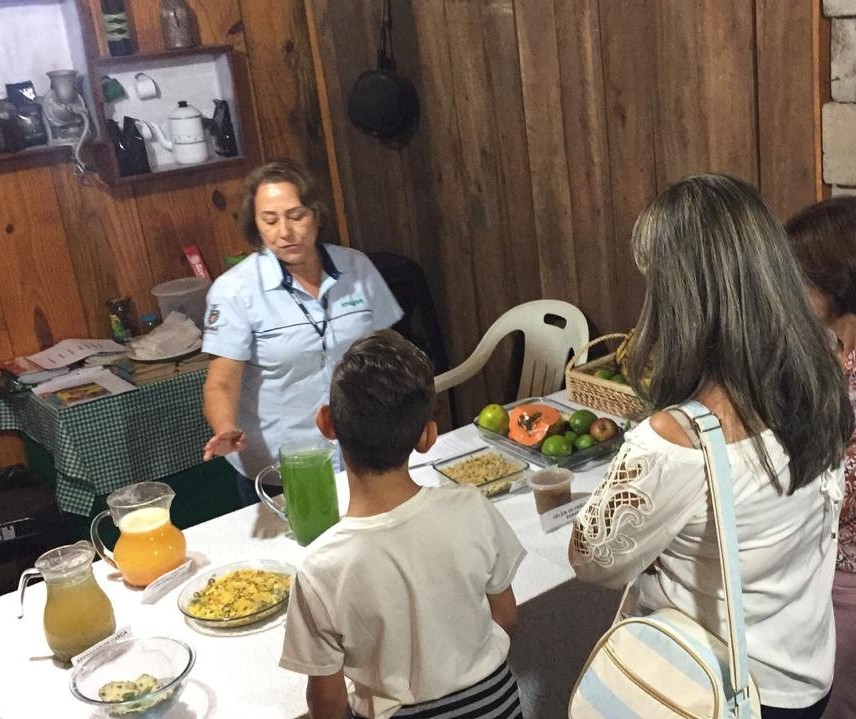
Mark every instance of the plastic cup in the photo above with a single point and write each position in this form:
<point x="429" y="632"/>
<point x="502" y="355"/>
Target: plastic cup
<point x="551" y="487"/>
<point x="185" y="295"/>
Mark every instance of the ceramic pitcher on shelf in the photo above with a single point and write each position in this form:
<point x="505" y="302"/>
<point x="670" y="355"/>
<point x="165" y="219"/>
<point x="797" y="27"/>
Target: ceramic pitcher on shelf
<point x="309" y="487"/>
<point x="149" y="545"/>
<point x="78" y="613"/>
<point x="187" y="143"/>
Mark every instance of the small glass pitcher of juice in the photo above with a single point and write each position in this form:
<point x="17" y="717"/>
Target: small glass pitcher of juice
<point x="309" y="487"/>
<point x="77" y="612"/>
<point x="149" y="545"/>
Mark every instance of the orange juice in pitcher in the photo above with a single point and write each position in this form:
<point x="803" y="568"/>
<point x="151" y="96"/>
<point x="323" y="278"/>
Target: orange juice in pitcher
<point x="149" y="545"/>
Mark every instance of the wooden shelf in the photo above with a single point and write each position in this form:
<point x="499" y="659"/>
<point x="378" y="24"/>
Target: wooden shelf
<point x="36" y="38"/>
<point x="176" y="169"/>
<point x="35" y="151"/>
<point x="197" y="75"/>
<point x="34" y="157"/>
<point x="168" y="56"/>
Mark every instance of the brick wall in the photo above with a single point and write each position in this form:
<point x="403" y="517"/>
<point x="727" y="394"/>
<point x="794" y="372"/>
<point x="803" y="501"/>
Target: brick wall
<point x="839" y="116"/>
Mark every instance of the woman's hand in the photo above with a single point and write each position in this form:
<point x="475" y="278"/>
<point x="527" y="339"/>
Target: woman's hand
<point x="220" y="395"/>
<point x="223" y="443"/>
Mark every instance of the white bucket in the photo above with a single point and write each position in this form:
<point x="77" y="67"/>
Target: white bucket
<point x="185" y="295"/>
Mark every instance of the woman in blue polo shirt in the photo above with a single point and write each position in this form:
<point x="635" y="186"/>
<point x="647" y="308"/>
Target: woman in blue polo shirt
<point x="278" y="322"/>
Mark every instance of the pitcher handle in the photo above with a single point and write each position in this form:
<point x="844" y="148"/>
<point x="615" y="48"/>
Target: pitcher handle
<point x="265" y="498"/>
<point x="103" y="552"/>
<point x="26" y="577"/>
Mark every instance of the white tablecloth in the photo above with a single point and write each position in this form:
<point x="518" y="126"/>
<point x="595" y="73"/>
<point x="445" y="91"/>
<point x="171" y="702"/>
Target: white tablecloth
<point x="239" y="675"/>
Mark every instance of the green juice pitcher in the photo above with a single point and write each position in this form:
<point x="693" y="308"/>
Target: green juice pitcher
<point x="309" y="487"/>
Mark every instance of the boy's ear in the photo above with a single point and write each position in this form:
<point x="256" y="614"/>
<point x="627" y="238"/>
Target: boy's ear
<point x="427" y="438"/>
<point x="324" y="421"/>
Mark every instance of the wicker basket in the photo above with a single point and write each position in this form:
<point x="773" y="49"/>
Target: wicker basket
<point x="603" y="394"/>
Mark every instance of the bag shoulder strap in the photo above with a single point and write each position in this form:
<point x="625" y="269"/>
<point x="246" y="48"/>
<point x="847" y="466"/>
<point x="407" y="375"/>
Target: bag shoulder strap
<point x="686" y="425"/>
<point x="718" y="473"/>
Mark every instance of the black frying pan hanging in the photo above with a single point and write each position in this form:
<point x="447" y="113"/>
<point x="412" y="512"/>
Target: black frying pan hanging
<point x="382" y="103"/>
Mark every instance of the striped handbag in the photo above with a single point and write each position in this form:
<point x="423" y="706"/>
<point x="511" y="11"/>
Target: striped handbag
<point x="665" y="664"/>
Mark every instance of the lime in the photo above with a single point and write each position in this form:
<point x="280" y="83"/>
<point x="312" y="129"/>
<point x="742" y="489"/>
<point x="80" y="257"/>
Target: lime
<point x="494" y="417"/>
<point x="581" y="420"/>
<point x="557" y="446"/>
<point x="620" y="378"/>
<point x="571" y="436"/>
<point x="603" y="373"/>
<point x="584" y="441"/>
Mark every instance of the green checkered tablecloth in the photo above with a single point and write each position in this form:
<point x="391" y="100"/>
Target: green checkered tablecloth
<point x="98" y="446"/>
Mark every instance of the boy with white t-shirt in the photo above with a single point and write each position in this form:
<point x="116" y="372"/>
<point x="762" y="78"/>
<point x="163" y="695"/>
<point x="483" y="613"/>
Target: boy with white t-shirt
<point x="409" y="596"/>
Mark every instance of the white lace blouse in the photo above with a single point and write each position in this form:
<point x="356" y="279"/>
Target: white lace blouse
<point x="652" y="513"/>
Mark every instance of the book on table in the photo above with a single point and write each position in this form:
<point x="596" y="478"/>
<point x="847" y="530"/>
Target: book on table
<point x="82" y="385"/>
<point x="25" y="371"/>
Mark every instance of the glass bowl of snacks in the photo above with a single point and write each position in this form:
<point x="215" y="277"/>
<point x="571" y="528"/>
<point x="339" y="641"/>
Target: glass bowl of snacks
<point x="134" y="677"/>
<point x="238" y="594"/>
<point x="489" y="469"/>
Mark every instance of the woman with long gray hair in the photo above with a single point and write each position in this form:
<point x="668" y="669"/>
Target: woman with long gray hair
<point x="726" y="322"/>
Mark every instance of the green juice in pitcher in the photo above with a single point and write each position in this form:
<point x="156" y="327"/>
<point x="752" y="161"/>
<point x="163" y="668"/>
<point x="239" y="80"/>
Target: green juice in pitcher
<point x="309" y="485"/>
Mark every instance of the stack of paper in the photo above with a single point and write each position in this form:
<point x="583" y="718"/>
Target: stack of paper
<point x="19" y="374"/>
<point x="67" y="352"/>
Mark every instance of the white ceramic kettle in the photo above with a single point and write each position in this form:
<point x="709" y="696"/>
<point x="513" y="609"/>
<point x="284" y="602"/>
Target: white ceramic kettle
<point x="188" y="144"/>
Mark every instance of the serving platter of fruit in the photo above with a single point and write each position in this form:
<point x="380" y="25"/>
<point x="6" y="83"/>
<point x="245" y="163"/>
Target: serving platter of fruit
<point x="545" y="432"/>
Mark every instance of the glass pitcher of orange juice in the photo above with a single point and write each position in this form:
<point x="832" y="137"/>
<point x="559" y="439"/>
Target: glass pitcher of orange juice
<point x="149" y="545"/>
<point x="77" y="612"/>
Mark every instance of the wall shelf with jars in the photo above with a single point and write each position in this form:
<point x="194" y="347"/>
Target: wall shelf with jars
<point x="167" y="112"/>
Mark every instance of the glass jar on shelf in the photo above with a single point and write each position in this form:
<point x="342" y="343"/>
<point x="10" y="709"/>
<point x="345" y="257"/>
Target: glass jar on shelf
<point x="121" y="322"/>
<point x="178" y="24"/>
<point x="116" y="29"/>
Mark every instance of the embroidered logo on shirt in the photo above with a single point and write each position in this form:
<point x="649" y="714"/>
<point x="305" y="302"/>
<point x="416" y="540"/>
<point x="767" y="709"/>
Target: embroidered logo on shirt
<point x="354" y="303"/>
<point x="213" y="316"/>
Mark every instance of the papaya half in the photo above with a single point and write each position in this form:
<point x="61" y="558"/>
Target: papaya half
<point x="531" y="424"/>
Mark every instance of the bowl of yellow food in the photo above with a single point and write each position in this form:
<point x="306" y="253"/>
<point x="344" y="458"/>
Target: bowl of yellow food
<point x="133" y="677"/>
<point x="238" y="594"/>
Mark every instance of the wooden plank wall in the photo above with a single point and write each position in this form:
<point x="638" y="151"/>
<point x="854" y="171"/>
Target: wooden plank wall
<point x="68" y="245"/>
<point x="548" y="125"/>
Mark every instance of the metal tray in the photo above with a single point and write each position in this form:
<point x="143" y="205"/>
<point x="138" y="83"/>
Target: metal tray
<point x="581" y="459"/>
<point x="496" y="485"/>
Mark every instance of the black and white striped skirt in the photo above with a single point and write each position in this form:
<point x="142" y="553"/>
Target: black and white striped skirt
<point x="494" y="697"/>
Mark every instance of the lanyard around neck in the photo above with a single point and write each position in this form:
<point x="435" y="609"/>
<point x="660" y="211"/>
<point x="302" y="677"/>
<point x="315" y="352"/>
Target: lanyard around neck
<point x="320" y="329"/>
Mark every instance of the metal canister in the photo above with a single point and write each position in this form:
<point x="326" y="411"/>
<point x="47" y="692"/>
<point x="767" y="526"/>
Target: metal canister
<point x="149" y="321"/>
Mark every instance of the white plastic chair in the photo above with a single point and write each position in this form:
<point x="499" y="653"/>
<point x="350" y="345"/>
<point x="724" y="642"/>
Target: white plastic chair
<point x="545" y="350"/>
